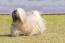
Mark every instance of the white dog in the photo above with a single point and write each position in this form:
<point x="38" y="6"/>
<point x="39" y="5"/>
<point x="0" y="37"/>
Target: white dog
<point x="27" y="25"/>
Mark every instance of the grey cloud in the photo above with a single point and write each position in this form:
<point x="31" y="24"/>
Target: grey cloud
<point x="43" y="5"/>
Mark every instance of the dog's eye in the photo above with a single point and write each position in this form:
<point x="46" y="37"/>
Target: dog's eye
<point x="15" y="12"/>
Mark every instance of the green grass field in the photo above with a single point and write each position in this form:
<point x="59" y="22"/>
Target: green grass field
<point x="55" y="32"/>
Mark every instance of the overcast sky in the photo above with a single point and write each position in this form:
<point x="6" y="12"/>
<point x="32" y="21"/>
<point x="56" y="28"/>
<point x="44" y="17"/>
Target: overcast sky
<point x="51" y="6"/>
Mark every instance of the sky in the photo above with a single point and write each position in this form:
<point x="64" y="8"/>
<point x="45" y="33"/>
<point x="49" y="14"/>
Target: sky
<point x="45" y="6"/>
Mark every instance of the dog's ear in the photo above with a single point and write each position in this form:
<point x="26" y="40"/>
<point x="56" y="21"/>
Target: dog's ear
<point x="14" y="16"/>
<point x="21" y="14"/>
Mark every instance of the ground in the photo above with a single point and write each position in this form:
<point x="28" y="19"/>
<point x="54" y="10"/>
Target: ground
<point x="55" y="32"/>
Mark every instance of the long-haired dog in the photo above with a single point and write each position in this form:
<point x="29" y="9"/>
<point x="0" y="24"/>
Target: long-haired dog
<point x="27" y="25"/>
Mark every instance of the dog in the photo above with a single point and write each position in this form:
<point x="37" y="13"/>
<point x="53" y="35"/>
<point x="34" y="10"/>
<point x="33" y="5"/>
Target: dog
<point x="28" y="25"/>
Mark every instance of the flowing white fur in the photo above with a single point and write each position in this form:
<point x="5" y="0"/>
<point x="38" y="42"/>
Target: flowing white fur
<point x="29" y="25"/>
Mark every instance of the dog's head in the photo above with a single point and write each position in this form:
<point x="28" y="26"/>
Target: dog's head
<point x="18" y="14"/>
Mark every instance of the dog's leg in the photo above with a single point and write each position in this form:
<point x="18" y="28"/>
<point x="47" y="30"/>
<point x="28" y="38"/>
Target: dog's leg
<point x="14" y="31"/>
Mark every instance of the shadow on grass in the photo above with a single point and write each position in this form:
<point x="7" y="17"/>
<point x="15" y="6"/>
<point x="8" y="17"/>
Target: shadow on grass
<point x="9" y="35"/>
<point x="5" y="35"/>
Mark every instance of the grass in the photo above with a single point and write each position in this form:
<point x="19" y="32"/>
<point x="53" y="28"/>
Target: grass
<point x="55" y="32"/>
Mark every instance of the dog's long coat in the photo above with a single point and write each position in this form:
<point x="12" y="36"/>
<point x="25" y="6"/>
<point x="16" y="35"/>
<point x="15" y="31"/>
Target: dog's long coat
<point x="28" y="25"/>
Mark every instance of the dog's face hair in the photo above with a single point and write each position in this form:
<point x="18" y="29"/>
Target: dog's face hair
<point x="14" y="16"/>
